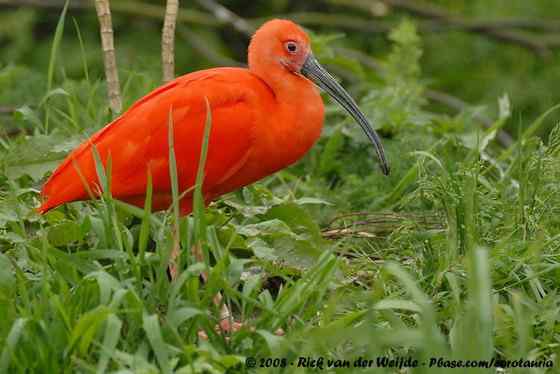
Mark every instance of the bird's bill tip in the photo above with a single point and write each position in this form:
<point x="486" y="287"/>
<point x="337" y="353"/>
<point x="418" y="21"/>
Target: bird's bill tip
<point x="313" y="71"/>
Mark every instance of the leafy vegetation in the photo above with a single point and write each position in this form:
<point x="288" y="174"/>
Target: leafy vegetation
<point x="455" y="255"/>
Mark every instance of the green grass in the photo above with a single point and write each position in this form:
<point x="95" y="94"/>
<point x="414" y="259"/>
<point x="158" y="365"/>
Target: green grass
<point x="456" y="254"/>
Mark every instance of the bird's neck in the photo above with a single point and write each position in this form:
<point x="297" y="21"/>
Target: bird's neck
<point x="298" y="118"/>
<point x="287" y="87"/>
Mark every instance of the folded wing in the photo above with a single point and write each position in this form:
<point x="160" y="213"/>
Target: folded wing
<point x="137" y="142"/>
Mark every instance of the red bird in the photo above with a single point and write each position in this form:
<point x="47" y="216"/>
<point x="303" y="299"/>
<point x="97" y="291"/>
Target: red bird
<point x="264" y="119"/>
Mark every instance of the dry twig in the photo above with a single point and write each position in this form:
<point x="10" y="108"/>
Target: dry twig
<point x="507" y="30"/>
<point x="200" y="46"/>
<point x="376" y="225"/>
<point x="109" y="59"/>
<point x="507" y="35"/>
<point x="57" y="4"/>
<point x="7" y="109"/>
<point x="168" y="40"/>
<point x="227" y="16"/>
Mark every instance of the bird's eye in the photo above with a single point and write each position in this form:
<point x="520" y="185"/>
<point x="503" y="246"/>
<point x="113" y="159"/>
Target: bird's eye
<point x="291" y="47"/>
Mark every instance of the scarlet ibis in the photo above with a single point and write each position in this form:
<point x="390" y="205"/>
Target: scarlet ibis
<point x="264" y="119"/>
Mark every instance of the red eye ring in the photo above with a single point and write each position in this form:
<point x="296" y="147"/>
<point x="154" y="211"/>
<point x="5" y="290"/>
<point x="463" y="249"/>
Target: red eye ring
<point x="291" y="47"/>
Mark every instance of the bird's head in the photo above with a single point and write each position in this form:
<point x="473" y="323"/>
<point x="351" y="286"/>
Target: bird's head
<point x="282" y="46"/>
<point x="280" y="43"/>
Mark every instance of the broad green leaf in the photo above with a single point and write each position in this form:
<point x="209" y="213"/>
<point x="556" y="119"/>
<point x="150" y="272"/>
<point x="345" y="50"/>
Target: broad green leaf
<point x="397" y="304"/>
<point x="37" y="155"/>
<point x="65" y="233"/>
<point x="112" y="333"/>
<point x="25" y="113"/>
<point x="178" y="316"/>
<point x="298" y="220"/>
<point x="274" y="342"/>
<point x="153" y="332"/>
<point x="87" y="327"/>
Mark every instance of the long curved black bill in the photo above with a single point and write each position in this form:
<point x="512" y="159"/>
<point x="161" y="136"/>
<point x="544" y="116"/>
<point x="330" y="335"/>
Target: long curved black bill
<point x="317" y="74"/>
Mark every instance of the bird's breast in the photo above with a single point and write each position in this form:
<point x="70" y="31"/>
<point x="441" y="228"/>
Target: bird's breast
<point x="290" y="128"/>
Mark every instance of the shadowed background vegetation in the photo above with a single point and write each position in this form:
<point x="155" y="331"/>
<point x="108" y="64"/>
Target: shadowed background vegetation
<point x="454" y="255"/>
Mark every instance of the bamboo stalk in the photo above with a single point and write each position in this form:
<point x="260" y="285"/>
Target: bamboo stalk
<point x="168" y="40"/>
<point x="109" y="59"/>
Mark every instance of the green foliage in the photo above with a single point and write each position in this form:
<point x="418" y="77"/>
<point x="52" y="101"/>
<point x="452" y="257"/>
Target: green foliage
<point x="16" y="31"/>
<point x="37" y="155"/>
<point x="401" y="96"/>
<point x="454" y="255"/>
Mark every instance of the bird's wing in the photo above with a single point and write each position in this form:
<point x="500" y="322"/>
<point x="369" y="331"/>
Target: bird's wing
<point x="138" y="140"/>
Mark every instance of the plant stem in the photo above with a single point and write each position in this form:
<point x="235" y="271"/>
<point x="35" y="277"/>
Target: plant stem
<point x="168" y="40"/>
<point x="109" y="59"/>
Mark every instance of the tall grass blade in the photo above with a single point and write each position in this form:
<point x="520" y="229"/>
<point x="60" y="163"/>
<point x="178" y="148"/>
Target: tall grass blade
<point x="86" y="329"/>
<point x="113" y="327"/>
<point x="173" y="170"/>
<point x="54" y="52"/>
<point x="175" y="203"/>
<point x="56" y="45"/>
<point x="530" y="131"/>
<point x="11" y="343"/>
<point x="480" y="287"/>
<point x="198" y="199"/>
<point x="145" y="226"/>
<point x="110" y="217"/>
<point x="82" y="50"/>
